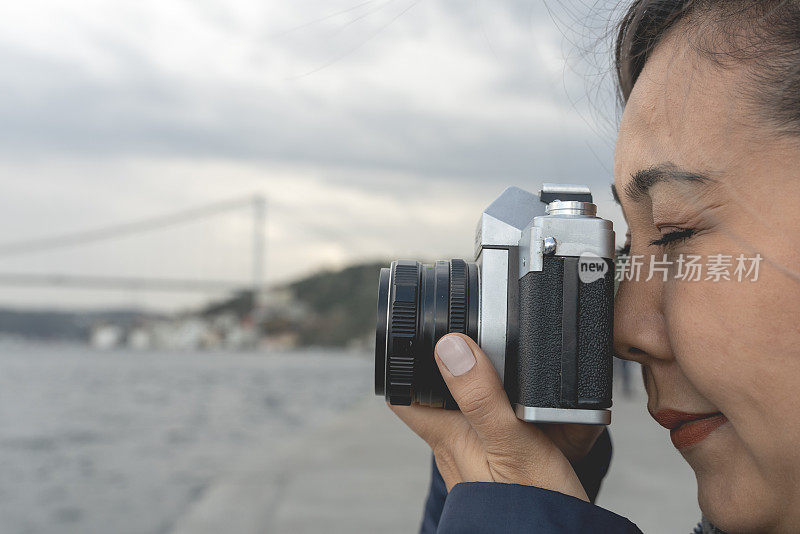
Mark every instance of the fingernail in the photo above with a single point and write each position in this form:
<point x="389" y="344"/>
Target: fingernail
<point x="455" y="355"/>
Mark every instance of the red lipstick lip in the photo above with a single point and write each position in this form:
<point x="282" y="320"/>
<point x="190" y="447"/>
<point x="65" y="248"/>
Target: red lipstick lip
<point x="689" y="428"/>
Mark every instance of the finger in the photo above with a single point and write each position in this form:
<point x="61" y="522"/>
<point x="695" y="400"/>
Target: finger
<point x="433" y="425"/>
<point x="475" y="386"/>
<point x="574" y="441"/>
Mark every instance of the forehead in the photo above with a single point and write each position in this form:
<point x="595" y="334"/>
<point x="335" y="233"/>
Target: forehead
<point x="684" y="109"/>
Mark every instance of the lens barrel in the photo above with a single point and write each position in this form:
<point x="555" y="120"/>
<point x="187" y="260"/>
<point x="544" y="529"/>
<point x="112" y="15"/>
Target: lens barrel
<point x="417" y="305"/>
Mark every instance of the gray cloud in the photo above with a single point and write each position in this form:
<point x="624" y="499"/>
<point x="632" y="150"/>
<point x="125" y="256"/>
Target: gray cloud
<point x="54" y="105"/>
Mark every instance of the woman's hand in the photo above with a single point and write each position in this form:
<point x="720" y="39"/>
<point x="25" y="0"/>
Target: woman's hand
<point x="485" y="442"/>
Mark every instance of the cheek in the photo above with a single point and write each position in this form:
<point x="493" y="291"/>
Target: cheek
<point x="698" y="339"/>
<point x="733" y="338"/>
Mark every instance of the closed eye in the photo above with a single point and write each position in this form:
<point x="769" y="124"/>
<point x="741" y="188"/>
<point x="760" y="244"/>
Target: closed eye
<point x="681" y="234"/>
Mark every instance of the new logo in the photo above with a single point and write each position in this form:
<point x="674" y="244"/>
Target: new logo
<point x="591" y="267"/>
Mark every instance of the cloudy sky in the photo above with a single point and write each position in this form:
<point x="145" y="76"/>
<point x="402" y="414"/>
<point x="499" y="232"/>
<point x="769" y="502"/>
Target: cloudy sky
<point x="376" y="129"/>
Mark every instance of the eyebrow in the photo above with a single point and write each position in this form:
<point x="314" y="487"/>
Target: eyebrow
<point x="644" y="179"/>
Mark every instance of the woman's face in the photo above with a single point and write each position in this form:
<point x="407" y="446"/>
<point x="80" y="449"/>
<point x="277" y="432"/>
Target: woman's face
<point x="697" y="160"/>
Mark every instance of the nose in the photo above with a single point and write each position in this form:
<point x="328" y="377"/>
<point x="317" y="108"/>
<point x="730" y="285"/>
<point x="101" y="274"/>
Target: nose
<point x="640" y="332"/>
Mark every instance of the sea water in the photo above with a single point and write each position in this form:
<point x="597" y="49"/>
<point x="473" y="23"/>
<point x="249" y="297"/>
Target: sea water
<point x="124" y="442"/>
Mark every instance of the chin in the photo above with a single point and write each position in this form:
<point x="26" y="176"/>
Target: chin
<point x="734" y="510"/>
<point x="731" y="492"/>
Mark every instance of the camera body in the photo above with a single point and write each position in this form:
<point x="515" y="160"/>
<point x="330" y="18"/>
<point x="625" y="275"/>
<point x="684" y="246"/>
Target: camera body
<point x="538" y="299"/>
<point x="547" y="332"/>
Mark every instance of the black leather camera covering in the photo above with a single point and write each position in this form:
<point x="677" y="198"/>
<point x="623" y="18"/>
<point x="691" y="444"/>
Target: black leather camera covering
<point x="565" y="359"/>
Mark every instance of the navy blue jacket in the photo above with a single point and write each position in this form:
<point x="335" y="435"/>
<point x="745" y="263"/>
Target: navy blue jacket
<point x="488" y="507"/>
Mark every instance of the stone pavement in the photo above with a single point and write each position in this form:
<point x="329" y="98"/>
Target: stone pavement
<point x="365" y="472"/>
<point x="362" y="472"/>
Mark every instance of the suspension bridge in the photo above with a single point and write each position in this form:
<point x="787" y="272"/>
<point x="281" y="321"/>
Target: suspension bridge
<point x="255" y="204"/>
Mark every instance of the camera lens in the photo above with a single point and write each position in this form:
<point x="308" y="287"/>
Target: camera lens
<point x="417" y="305"/>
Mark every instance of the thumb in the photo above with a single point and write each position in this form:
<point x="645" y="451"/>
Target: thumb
<point x="475" y="386"/>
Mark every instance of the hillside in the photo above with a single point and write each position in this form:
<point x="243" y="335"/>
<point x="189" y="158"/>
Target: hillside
<point x="341" y="305"/>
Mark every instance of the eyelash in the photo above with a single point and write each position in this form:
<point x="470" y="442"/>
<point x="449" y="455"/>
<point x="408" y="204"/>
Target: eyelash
<point x="674" y="237"/>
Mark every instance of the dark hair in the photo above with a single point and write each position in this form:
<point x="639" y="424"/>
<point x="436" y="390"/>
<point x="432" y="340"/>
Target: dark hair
<point x="763" y="34"/>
